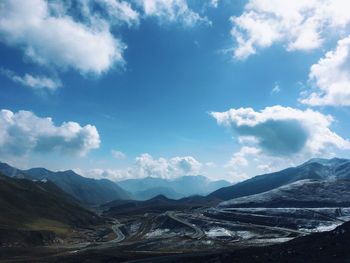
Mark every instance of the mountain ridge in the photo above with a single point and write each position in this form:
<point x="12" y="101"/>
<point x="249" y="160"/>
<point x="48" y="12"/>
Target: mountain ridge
<point x="314" y="169"/>
<point x="302" y="193"/>
<point x="180" y="187"/>
<point x="88" y="191"/>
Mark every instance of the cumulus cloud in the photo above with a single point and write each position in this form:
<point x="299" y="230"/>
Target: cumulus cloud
<point x="299" y="25"/>
<point x="240" y="158"/>
<point x="24" y="132"/>
<point x="58" y="39"/>
<point x="35" y="82"/>
<point x="331" y="77"/>
<point x="146" y="165"/>
<point x="284" y="131"/>
<point x="79" y="36"/>
<point x="171" y="11"/>
<point x="118" y="154"/>
<point x="277" y="137"/>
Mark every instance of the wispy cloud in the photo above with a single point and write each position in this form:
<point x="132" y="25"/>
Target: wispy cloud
<point x="276" y="88"/>
<point x="118" y="154"/>
<point x="34" y="82"/>
<point x="172" y="11"/>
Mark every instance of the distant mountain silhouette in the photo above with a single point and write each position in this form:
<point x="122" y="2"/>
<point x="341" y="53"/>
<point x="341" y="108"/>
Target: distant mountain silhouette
<point x="157" y="204"/>
<point x="154" y="191"/>
<point x="86" y="190"/>
<point x="148" y="187"/>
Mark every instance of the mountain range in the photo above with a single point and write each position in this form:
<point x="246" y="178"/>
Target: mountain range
<point x="86" y="190"/>
<point x="303" y="193"/>
<point x="94" y="192"/>
<point x="149" y="187"/>
<point x="157" y="204"/>
<point x="38" y="205"/>
<point x="316" y="170"/>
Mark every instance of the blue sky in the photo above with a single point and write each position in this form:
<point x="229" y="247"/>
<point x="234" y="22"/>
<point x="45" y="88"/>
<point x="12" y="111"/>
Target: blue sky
<point x="165" y="88"/>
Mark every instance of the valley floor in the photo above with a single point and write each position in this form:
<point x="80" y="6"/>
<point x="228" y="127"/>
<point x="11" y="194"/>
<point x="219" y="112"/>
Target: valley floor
<point x="172" y="236"/>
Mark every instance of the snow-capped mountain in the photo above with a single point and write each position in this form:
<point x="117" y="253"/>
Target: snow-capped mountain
<point x="315" y="169"/>
<point x="303" y="193"/>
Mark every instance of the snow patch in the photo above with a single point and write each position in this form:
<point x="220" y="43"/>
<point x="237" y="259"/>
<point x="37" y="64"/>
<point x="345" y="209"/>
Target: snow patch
<point x="219" y="232"/>
<point x="322" y="227"/>
<point x="245" y="234"/>
<point x="157" y="233"/>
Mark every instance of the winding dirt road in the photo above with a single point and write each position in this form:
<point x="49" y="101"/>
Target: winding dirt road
<point x="198" y="233"/>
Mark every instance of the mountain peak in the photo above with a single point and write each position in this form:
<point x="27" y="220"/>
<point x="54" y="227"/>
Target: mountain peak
<point x="326" y="162"/>
<point x="159" y="198"/>
<point x="86" y="190"/>
<point x="314" y="169"/>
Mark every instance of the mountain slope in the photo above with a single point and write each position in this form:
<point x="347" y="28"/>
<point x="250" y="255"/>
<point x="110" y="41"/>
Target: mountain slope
<point x="158" y="204"/>
<point x="154" y="191"/>
<point x="22" y="200"/>
<point x="86" y="190"/>
<point x="325" y="247"/>
<point x="182" y="186"/>
<point x="303" y="193"/>
<point x="315" y="169"/>
<point x="39" y="206"/>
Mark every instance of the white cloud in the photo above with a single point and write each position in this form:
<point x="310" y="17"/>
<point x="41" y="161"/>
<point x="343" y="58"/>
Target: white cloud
<point x="79" y="36"/>
<point x="266" y="168"/>
<point x="24" y="132"/>
<point x="35" y="82"/>
<point x="58" y="40"/>
<point x="111" y="174"/>
<point x="283" y="131"/>
<point x="214" y="3"/>
<point x="240" y="158"/>
<point x="235" y="177"/>
<point x="277" y="137"/>
<point x="171" y="11"/>
<point x="146" y="165"/>
<point x="331" y="76"/>
<point x="117" y="11"/>
<point x="118" y="154"/>
<point x="299" y="25"/>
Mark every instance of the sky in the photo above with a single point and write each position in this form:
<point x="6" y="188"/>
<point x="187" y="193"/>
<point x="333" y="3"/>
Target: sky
<point x="128" y="89"/>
